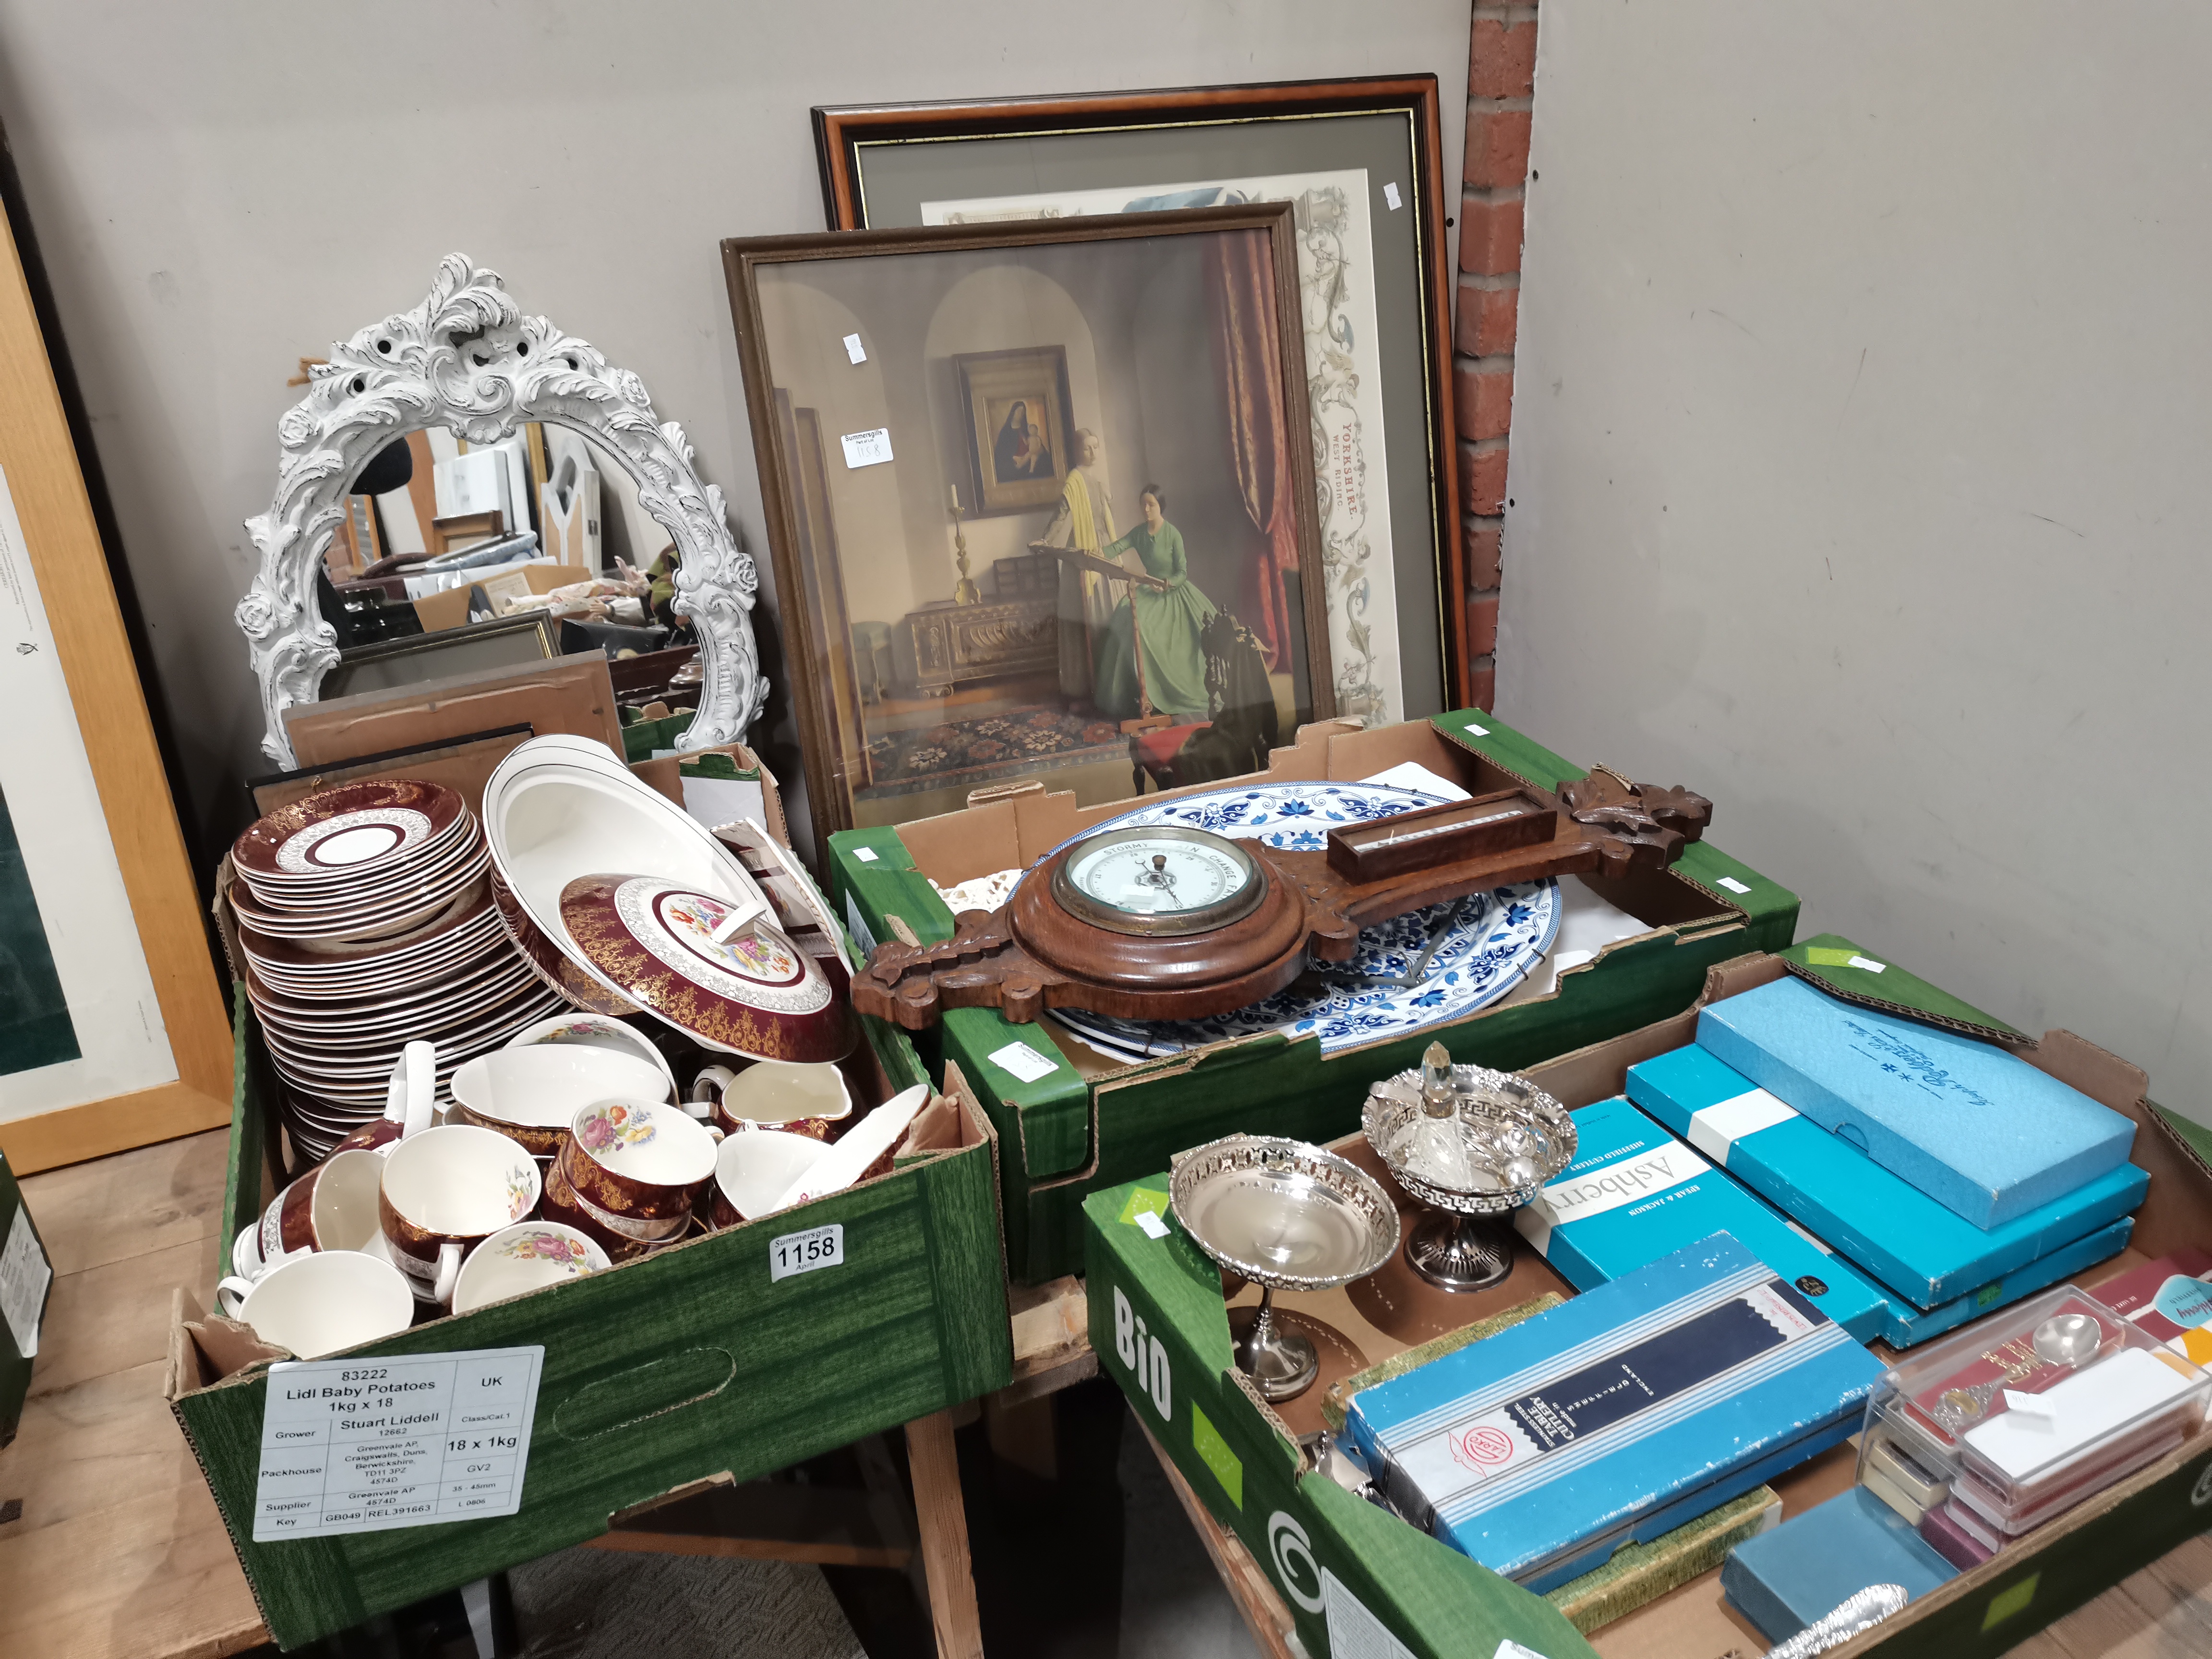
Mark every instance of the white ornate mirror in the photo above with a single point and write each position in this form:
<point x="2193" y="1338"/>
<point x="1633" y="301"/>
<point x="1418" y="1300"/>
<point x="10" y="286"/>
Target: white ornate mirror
<point x="468" y="361"/>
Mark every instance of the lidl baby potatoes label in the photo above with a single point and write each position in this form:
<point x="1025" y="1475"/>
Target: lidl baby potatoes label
<point x="363" y="1445"/>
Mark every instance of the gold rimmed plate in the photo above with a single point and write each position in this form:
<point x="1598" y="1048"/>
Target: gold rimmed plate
<point x="727" y="979"/>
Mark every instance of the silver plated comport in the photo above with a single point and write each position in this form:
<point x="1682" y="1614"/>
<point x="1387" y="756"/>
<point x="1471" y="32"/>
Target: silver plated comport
<point x="1472" y="1144"/>
<point x="1287" y="1215"/>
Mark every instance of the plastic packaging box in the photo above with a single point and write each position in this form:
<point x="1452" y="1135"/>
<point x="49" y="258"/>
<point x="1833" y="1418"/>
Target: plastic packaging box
<point x="2023" y="1418"/>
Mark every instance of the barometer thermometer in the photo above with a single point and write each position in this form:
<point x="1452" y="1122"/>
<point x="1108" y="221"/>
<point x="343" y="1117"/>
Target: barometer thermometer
<point x="1166" y="922"/>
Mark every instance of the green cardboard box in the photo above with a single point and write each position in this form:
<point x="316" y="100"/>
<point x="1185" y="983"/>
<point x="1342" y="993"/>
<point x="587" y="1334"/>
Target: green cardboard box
<point x="1359" y="1581"/>
<point x="687" y="1366"/>
<point x="1089" y="1125"/>
<point x="27" y="1280"/>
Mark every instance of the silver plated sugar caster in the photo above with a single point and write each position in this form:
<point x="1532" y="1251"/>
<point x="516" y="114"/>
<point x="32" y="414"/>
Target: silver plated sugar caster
<point x="1472" y="1145"/>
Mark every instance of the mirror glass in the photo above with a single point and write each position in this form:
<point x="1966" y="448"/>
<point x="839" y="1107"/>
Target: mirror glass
<point x="442" y="535"/>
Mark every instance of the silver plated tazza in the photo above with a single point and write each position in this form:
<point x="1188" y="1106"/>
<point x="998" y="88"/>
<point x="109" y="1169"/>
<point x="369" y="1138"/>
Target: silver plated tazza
<point x="1469" y="1143"/>
<point x="1288" y="1216"/>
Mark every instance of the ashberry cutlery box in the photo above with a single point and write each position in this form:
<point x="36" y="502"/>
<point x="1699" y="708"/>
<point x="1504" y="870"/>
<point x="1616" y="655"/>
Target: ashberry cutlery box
<point x="696" y="1364"/>
<point x="1359" y="1580"/>
<point x="1071" y="1122"/>
<point x="1970" y="1124"/>
<point x="1634" y="1192"/>
<point x="1909" y="1242"/>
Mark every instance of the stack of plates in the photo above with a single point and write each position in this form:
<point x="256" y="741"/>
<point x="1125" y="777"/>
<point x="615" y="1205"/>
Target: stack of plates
<point x="1428" y="967"/>
<point x="367" y="923"/>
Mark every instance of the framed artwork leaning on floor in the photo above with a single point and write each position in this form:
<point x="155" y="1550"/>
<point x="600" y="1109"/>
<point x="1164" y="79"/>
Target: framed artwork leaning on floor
<point x="1041" y="499"/>
<point x="113" y="1030"/>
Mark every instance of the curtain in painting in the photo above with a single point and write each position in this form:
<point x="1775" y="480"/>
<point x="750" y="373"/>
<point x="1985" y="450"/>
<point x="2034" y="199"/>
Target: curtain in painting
<point x="1240" y="271"/>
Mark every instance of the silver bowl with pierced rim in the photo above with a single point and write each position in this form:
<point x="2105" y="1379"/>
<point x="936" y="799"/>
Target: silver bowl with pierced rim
<point x="1287" y="1215"/>
<point x="1470" y="1143"/>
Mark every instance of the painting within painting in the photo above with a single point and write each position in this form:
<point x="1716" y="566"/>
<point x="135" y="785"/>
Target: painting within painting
<point x="34" y="1021"/>
<point x="1091" y="437"/>
<point x="1018" y="426"/>
<point x="1019" y="454"/>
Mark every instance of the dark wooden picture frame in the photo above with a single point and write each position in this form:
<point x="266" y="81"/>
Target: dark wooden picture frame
<point x="846" y="135"/>
<point x="798" y="519"/>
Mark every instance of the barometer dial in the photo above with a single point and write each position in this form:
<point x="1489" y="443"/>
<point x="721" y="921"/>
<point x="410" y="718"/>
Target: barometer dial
<point x="1158" y="881"/>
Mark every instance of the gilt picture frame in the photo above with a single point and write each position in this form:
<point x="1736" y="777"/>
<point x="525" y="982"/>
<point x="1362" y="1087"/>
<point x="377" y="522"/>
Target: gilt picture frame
<point x="1364" y="158"/>
<point x="1170" y="581"/>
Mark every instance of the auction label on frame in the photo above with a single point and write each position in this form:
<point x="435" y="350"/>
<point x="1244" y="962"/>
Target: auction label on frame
<point x="867" y="448"/>
<point x="365" y="1445"/>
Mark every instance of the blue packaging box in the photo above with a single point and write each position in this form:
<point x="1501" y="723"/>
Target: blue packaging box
<point x="1909" y="1242"/>
<point x="1635" y="1193"/>
<point x="1977" y="1129"/>
<point x="1800" y="1572"/>
<point x="1614" y="1417"/>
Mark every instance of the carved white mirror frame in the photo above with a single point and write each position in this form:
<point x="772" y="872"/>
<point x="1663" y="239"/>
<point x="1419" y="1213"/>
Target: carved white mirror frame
<point x="467" y="359"/>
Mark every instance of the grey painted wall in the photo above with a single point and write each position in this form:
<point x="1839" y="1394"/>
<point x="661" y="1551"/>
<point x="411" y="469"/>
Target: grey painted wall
<point x="1858" y="474"/>
<point x="220" y="190"/>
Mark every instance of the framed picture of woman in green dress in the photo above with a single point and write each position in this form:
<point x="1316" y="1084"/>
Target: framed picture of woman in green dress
<point x="1080" y="541"/>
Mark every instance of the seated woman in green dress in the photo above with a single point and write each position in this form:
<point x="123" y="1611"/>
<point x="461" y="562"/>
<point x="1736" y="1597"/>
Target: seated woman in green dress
<point x="1162" y="617"/>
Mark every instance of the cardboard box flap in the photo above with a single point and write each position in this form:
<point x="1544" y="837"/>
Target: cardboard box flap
<point x="1831" y="962"/>
<point x="1486" y="735"/>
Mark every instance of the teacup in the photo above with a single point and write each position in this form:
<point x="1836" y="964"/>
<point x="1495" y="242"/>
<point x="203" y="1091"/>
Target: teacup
<point x="446" y="1190"/>
<point x="530" y="1094"/>
<point x="622" y="1237"/>
<point x="638" y="1158"/>
<point x="315" y="1304"/>
<point x="527" y="1257"/>
<point x="776" y="1094"/>
<point x="331" y="1208"/>
<point x="754" y="1170"/>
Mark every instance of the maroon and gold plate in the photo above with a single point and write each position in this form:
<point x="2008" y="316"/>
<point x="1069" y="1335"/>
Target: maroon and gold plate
<point x="754" y="994"/>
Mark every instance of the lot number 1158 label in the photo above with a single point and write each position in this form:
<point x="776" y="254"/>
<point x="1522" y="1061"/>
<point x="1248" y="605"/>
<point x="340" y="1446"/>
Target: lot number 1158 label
<point x="802" y="1253"/>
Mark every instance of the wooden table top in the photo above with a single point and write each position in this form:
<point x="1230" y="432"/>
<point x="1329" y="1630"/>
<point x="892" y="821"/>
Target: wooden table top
<point x="119" y="1549"/>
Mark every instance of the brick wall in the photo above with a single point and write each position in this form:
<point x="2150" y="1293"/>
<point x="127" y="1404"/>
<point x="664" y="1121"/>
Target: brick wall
<point x="1500" y="82"/>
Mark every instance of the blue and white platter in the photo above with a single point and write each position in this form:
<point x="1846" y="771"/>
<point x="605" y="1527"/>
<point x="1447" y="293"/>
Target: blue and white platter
<point x="1428" y="967"/>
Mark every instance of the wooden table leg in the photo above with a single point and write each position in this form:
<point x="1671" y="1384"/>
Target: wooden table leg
<point x="943" y="1519"/>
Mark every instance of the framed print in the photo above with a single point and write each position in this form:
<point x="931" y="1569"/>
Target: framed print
<point x="113" y="1027"/>
<point x="1038" y="494"/>
<point x="1017" y="406"/>
<point x="1360" y="159"/>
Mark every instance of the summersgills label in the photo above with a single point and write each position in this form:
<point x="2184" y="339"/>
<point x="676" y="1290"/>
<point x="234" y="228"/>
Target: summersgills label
<point x="365" y="1445"/>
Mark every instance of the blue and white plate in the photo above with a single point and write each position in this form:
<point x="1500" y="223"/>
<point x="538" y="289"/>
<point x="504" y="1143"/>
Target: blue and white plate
<point x="1435" y="965"/>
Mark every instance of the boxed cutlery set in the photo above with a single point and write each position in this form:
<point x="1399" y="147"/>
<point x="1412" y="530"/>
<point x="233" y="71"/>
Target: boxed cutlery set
<point x="1800" y="1311"/>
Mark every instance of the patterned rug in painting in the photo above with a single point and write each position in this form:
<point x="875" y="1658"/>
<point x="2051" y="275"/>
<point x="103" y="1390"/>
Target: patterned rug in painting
<point x="1041" y="737"/>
